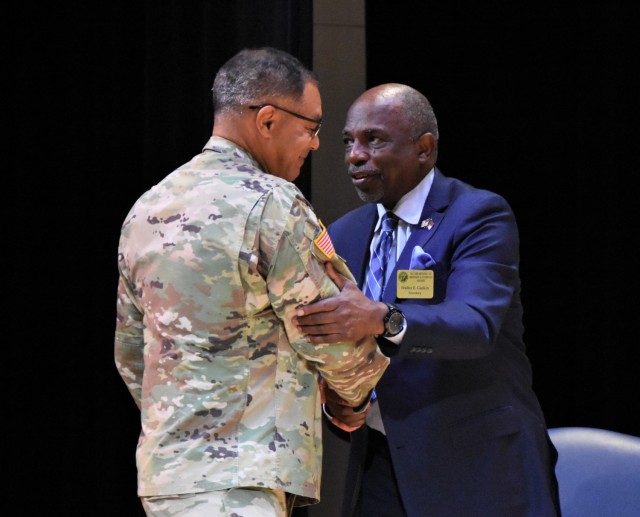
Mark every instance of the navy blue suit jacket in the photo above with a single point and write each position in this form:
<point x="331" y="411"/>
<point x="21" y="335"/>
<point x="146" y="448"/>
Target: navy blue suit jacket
<point x="465" y="430"/>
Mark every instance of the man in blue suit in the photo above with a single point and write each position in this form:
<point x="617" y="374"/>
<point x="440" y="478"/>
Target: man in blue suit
<point x="454" y="429"/>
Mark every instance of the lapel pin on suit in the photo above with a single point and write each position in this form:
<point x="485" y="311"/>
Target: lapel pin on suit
<point x="427" y="223"/>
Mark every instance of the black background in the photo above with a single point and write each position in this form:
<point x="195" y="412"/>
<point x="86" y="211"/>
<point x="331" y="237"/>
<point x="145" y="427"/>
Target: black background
<point x="536" y="101"/>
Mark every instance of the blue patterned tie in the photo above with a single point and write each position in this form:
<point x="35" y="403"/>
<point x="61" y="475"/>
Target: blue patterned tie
<point x="378" y="263"/>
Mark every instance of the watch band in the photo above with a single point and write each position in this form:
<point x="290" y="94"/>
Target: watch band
<point x="394" y="321"/>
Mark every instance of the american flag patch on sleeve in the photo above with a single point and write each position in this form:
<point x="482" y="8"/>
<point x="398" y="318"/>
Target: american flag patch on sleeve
<point x="323" y="243"/>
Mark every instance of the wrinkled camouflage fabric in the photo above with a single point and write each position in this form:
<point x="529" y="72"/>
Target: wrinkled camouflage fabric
<point x="213" y="262"/>
<point x="236" y="502"/>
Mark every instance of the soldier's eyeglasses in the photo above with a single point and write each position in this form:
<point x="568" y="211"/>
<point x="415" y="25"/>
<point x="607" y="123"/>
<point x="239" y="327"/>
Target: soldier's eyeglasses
<point x="314" y="131"/>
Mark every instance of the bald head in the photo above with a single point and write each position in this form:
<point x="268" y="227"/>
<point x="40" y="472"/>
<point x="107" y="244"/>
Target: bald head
<point x="407" y="102"/>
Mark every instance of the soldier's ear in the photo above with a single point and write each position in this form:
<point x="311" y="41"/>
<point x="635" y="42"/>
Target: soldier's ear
<point x="264" y="120"/>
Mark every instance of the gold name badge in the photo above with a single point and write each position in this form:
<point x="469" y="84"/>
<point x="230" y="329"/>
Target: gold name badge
<point x="415" y="283"/>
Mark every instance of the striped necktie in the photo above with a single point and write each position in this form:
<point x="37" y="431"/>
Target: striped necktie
<point x="380" y="256"/>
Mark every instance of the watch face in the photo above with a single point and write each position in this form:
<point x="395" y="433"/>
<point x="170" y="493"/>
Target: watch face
<point x="394" y="322"/>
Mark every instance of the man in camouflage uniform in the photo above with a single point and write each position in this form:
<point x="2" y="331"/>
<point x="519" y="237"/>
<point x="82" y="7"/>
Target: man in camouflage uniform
<point x="213" y="262"/>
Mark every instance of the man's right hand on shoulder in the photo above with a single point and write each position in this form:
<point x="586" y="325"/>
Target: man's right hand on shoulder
<point x="349" y="316"/>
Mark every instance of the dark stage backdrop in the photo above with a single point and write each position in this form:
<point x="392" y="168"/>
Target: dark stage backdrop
<point x="538" y="101"/>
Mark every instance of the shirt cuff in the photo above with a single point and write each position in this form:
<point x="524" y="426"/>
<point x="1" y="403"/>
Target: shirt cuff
<point x="358" y="409"/>
<point x="326" y="412"/>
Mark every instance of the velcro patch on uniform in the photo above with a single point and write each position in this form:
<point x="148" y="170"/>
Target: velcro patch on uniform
<point x="324" y="244"/>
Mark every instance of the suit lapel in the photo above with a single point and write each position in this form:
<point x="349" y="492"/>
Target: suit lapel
<point x="432" y="214"/>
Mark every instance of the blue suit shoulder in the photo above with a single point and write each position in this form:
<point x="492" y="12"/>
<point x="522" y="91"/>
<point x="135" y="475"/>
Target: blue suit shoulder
<point x="459" y="188"/>
<point x="445" y="192"/>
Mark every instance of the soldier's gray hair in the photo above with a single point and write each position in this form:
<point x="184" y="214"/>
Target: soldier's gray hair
<point x="256" y="76"/>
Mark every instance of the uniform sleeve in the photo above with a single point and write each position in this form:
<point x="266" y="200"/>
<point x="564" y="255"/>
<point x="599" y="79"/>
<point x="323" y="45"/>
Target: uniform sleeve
<point x="296" y="276"/>
<point x="129" y="343"/>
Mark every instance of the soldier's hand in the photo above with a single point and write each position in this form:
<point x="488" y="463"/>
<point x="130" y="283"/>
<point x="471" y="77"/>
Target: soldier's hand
<point x="338" y="411"/>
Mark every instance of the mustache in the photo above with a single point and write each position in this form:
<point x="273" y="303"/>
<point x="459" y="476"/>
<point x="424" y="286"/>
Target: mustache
<point x="355" y="172"/>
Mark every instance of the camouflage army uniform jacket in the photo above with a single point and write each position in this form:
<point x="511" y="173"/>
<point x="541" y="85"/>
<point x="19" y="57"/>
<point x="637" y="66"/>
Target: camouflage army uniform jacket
<point x="213" y="262"/>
